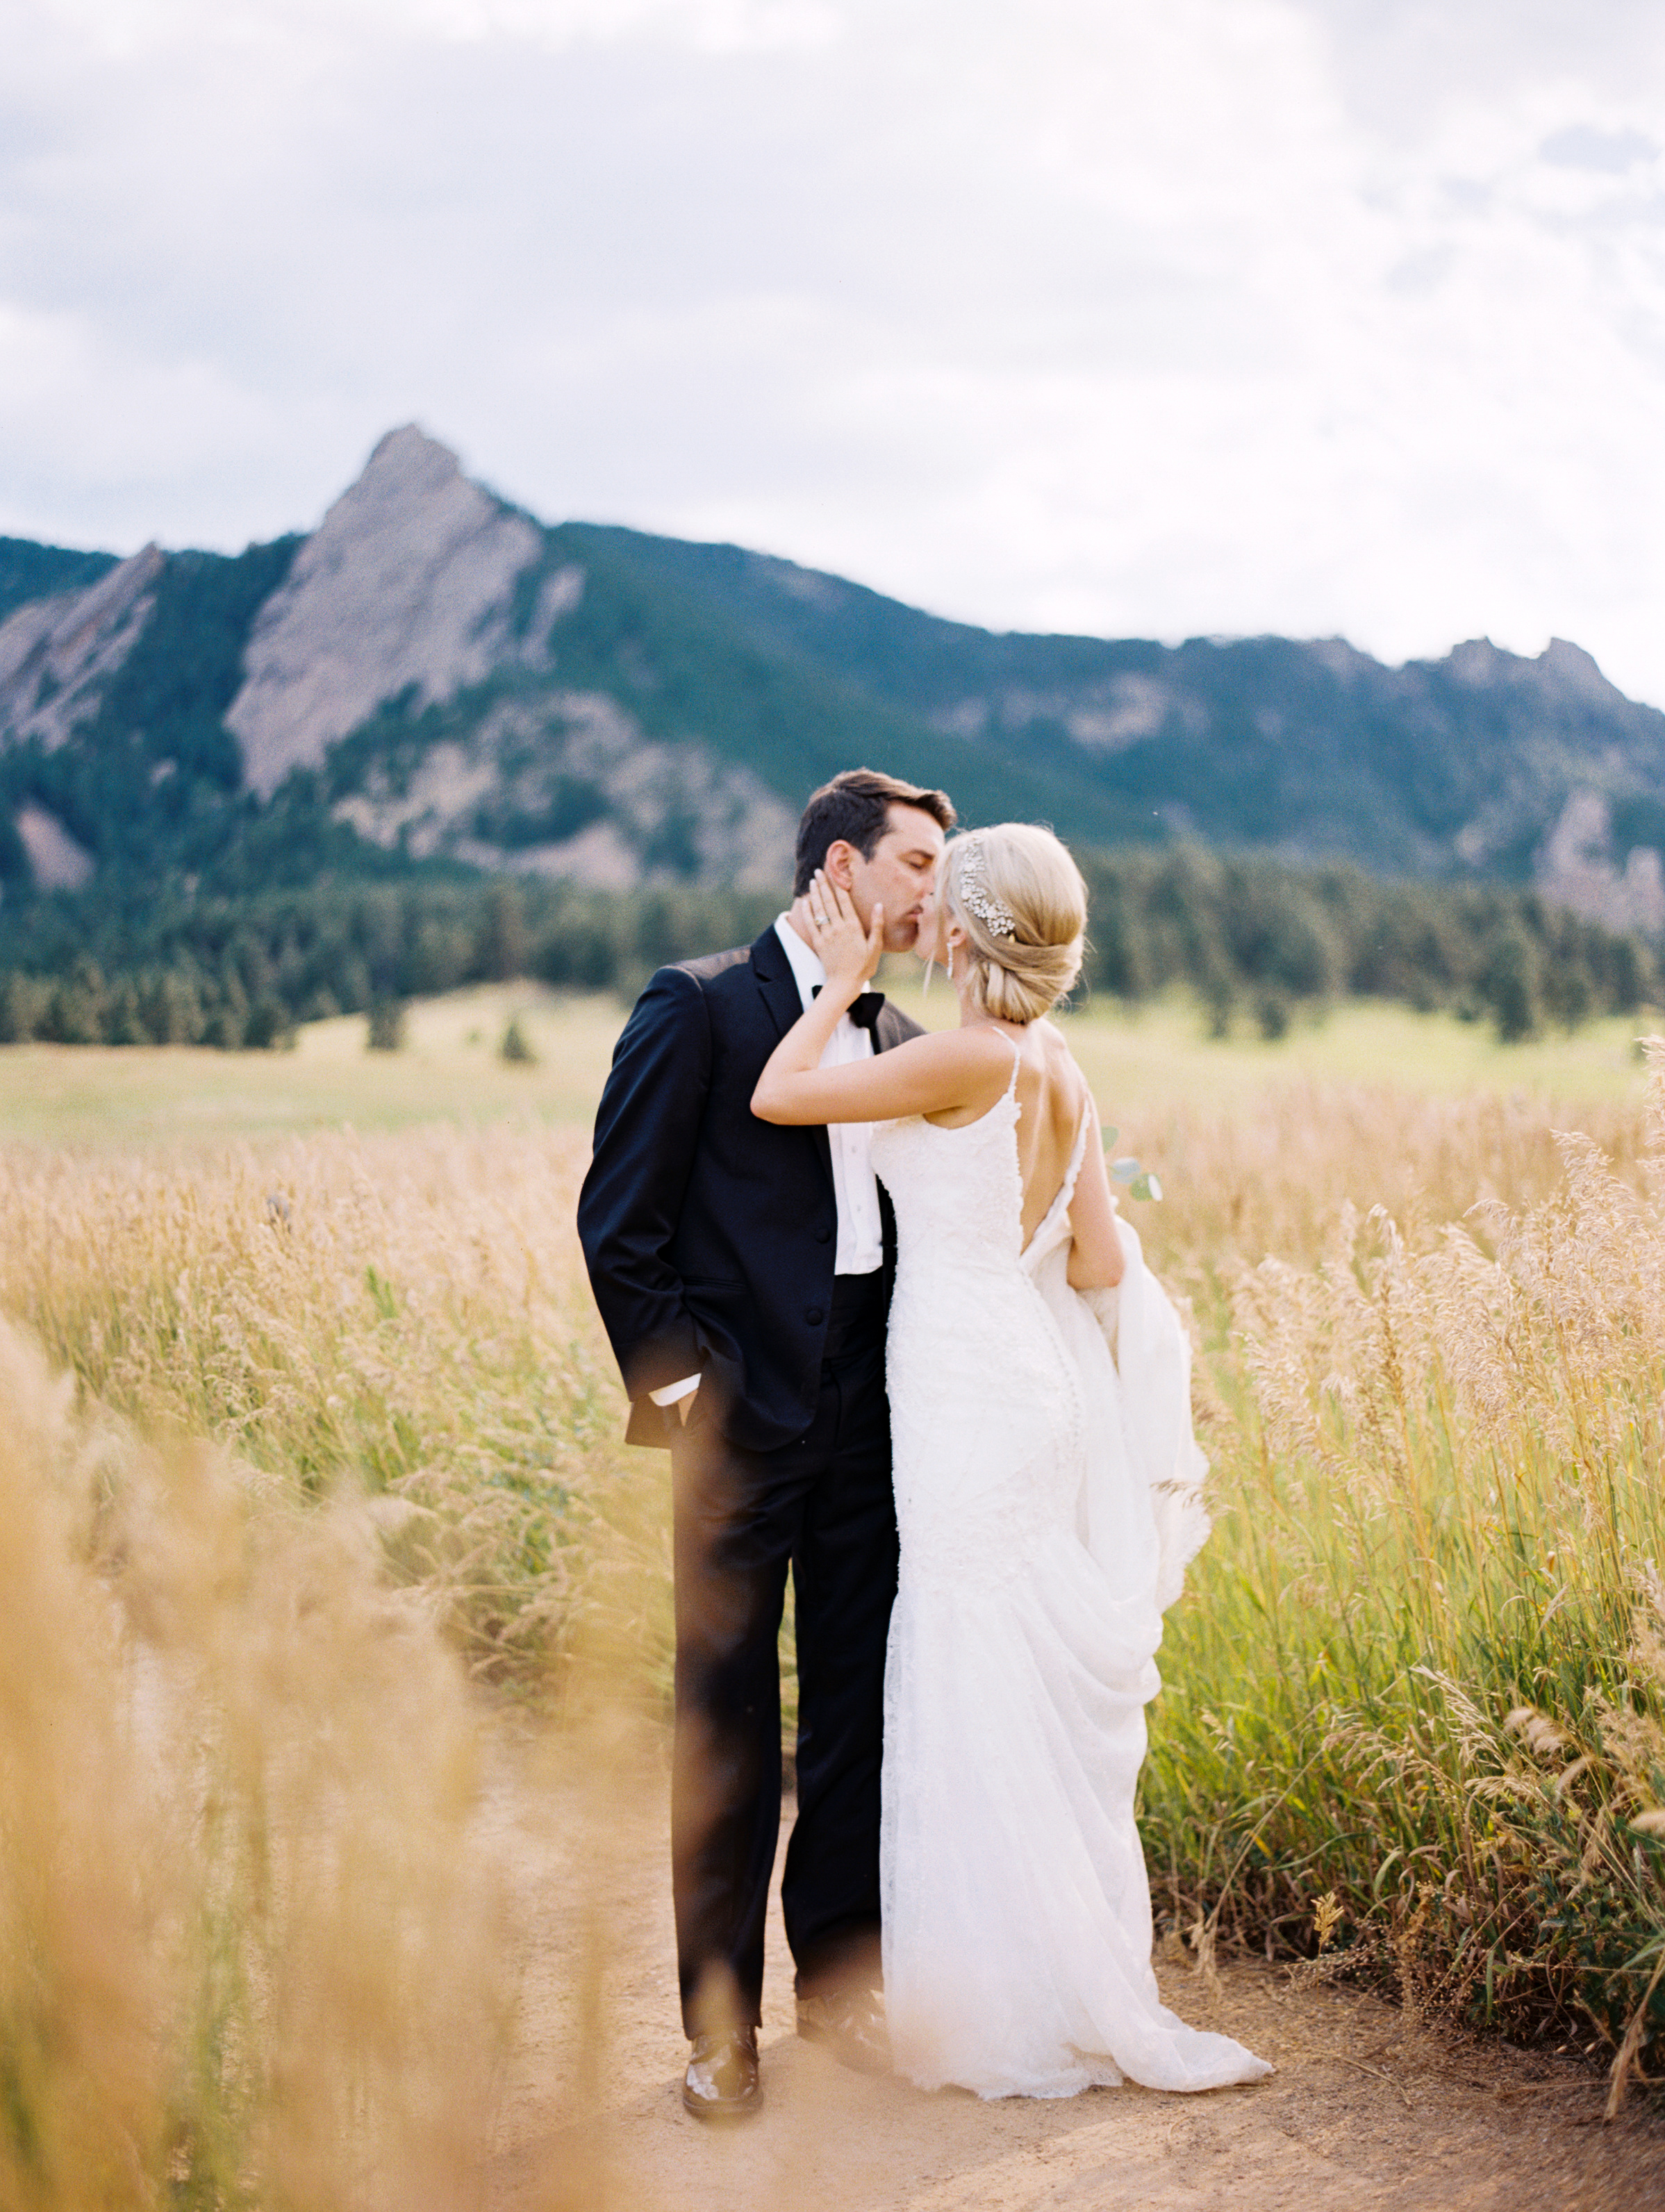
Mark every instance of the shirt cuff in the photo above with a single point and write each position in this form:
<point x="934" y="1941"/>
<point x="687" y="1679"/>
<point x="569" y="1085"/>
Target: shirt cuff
<point x="673" y="1391"/>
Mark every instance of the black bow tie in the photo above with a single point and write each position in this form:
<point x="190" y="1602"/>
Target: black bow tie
<point x="866" y="1010"/>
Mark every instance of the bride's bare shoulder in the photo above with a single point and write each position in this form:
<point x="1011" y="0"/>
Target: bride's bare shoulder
<point x="1062" y="1067"/>
<point x="961" y="1047"/>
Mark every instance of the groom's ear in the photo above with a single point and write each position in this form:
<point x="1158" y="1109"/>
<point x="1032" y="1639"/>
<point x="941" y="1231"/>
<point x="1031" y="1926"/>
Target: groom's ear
<point x="839" y="855"/>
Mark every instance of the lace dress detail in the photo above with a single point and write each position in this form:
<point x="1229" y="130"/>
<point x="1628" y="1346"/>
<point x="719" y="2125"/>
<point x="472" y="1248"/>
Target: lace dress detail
<point x="1046" y="1515"/>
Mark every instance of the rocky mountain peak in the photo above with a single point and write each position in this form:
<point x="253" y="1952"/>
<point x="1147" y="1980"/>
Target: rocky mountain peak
<point x="1575" y="672"/>
<point x="55" y="653"/>
<point x="407" y="580"/>
<point x="405" y="453"/>
<point x="624" y="708"/>
<point x="1478" y="663"/>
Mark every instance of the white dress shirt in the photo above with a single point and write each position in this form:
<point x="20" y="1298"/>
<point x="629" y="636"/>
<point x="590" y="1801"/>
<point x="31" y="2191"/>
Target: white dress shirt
<point x="860" y="1247"/>
<point x="861" y="1234"/>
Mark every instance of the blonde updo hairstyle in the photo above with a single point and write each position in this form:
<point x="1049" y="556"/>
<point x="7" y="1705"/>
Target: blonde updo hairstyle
<point x="1020" y="872"/>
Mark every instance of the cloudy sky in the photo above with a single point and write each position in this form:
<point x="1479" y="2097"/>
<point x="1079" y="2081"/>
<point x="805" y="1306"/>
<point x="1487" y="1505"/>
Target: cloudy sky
<point x="1151" y="317"/>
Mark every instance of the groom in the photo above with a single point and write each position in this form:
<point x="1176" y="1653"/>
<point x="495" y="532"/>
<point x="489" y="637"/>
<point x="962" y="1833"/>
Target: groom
<point x="743" y="1271"/>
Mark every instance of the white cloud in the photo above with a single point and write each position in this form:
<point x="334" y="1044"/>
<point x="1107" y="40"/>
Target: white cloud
<point x="129" y="27"/>
<point x="1224" y="315"/>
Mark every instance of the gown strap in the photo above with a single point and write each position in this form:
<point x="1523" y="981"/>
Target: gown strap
<point x="1017" y="1062"/>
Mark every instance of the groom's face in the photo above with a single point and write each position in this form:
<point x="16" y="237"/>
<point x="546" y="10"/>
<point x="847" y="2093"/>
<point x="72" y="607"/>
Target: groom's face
<point x="900" y="876"/>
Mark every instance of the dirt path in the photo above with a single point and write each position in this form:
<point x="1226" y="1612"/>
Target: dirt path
<point x="1363" y="2112"/>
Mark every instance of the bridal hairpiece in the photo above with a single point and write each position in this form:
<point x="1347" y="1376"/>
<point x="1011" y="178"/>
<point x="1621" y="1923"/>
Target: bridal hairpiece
<point x="995" y="915"/>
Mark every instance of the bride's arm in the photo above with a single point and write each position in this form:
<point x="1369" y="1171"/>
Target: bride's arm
<point x="927" y="1075"/>
<point x="1096" y="1259"/>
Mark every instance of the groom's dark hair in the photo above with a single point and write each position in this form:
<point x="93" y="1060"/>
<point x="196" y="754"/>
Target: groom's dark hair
<point x="855" y="807"/>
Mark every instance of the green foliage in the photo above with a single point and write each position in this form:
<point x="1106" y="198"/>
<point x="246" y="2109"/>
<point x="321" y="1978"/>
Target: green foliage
<point x="1509" y="983"/>
<point x="28" y="571"/>
<point x="1248" y="742"/>
<point x="217" y="919"/>
<point x="191" y="933"/>
<point x="1142" y="1182"/>
<point x="174" y="687"/>
<point x="516" y="1046"/>
<point x="385" y="1031"/>
<point x="1234" y="927"/>
<point x="240" y="972"/>
<point x="149" y="783"/>
<point x="657" y="632"/>
<point x="500" y="946"/>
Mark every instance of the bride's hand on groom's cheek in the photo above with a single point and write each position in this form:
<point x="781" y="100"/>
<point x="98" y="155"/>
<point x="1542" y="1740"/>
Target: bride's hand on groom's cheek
<point x="802" y="921"/>
<point x="849" y="950"/>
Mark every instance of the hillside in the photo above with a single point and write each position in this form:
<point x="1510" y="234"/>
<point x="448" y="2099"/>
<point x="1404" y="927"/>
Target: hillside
<point x="433" y="678"/>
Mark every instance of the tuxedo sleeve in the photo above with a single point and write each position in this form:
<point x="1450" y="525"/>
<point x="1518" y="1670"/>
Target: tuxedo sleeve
<point x="646" y="1131"/>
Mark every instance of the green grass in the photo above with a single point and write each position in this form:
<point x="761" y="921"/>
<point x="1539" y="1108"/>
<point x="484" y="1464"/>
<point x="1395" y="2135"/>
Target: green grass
<point x="1151" y="1060"/>
<point x="1157" y="1056"/>
<point x="450" y="1069"/>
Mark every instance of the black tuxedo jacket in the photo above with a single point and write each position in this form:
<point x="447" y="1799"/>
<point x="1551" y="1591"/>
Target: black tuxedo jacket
<point x="709" y="1234"/>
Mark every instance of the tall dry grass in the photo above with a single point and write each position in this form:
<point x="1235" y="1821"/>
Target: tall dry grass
<point x="251" y="1940"/>
<point x="399" y="1318"/>
<point x="1415" y="1693"/>
<point x="1275" y="1180"/>
<point x="309" y="1451"/>
<point x="1415" y="1713"/>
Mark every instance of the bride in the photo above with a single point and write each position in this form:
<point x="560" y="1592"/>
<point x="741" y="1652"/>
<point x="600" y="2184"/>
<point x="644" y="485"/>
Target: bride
<point x="1047" y="1499"/>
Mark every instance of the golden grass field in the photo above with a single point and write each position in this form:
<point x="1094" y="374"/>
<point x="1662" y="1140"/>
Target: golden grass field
<point x="339" y="1435"/>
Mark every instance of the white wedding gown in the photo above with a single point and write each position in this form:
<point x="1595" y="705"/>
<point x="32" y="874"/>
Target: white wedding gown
<point x="1048" y="1504"/>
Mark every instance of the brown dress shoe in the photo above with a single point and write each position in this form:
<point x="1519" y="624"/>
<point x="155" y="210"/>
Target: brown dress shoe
<point x="851" y="2023"/>
<point x="721" y="2082"/>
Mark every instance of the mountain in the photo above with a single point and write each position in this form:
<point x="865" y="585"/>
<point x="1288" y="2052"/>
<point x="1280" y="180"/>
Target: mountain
<point x="435" y="679"/>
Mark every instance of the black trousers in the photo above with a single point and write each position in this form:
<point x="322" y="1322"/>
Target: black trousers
<point x="824" y="1505"/>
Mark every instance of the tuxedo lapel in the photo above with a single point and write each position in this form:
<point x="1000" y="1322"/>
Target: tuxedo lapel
<point x="777" y="981"/>
<point x="778" y="988"/>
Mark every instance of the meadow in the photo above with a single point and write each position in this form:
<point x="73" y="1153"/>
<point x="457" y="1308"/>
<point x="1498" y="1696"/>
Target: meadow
<point x="315" y="1480"/>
